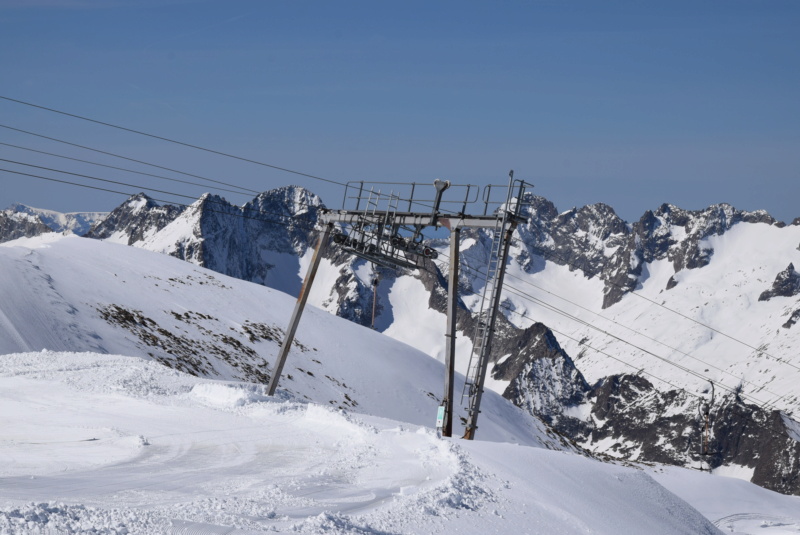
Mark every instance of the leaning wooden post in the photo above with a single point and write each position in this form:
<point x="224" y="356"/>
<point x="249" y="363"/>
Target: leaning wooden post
<point x="298" y="309"/>
<point x="450" y="347"/>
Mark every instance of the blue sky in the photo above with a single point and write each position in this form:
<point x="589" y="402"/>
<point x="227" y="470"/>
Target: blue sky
<point x="629" y="103"/>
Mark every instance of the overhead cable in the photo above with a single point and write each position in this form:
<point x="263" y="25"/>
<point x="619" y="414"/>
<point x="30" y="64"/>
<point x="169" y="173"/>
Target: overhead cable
<point x="162" y="138"/>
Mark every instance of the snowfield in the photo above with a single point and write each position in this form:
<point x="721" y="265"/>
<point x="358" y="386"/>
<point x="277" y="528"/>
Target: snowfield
<point x="103" y="431"/>
<point x="112" y="444"/>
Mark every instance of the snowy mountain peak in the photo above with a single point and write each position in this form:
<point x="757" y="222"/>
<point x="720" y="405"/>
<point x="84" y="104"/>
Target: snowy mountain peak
<point x="139" y="202"/>
<point x="134" y="220"/>
<point x="74" y="222"/>
<point x="287" y="200"/>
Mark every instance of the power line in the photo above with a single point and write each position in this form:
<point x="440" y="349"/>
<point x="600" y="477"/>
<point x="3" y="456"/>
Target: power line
<point x="118" y="168"/>
<point x="749" y="417"/>
<point x="93" y="178"/>
<point x="134" y="160"/>
<point x="126" y="158"/>
<point x="762" y="404"/>
<point x="758" y="404"/>
<point x="300" y="203"/>
<point x="425" y="204"/>
<point x="545" y="252"/>
<point x="212" y="151"/>
<point x="737" y="394"/>
<point x="527" y="297"/>
<point x="291" y="219"/>
<point x="639" y="333"/>
<point x="342" y="184"/>
<point x="186" y="196"/>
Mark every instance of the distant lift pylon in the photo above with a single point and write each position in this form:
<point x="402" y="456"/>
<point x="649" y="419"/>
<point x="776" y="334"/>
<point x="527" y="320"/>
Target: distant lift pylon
<point x="383" y="229"/>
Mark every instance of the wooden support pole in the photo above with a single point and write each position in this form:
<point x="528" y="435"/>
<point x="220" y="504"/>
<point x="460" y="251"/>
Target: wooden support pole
<point x="450" y="347"/>
<point x="298" y="309"/>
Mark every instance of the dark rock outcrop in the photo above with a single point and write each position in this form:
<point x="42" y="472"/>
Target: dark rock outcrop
<point x="793" y="319"/>
<point x="18" y="225"/>
<point x="787" y="284"/>
<point x="543" y="378"/>
<point x="631" y="419"/>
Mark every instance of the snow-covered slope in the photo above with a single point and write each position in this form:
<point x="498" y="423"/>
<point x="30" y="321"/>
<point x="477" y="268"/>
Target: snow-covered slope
<point x="76" y="294"/>
<point x="735" y="506"/>
<point x="109" y="444"/>
<point x="260" y="242"/>
<point x="710" y="319"/>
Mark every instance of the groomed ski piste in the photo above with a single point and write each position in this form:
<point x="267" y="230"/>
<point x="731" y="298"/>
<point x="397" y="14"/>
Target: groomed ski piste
<point x="102" y="433"/>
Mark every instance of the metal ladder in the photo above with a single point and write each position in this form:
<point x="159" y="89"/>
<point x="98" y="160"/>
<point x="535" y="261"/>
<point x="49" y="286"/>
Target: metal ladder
<point x="481" y="334"/>
<point x="479" y="358"/>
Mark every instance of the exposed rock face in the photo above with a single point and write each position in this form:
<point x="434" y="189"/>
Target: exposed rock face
<point x="596" y="241"/>
<point x="15" y="225"/>
<point x="794" y="318"/>
<point x="787" y="284"/>
<point x="261" y="242"/>
<point x="134" y="220"/>
<point x="627" y="417"/>
<point x="543" y="379"/>
<point x="639" y="422"/>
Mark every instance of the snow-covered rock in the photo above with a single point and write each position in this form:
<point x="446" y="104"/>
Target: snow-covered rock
<point x="72" y="222"/>
<point x="15" y="225"/>
<point x="133" y="221"/>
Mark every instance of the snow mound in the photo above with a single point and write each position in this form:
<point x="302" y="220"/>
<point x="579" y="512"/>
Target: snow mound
<point x="226" y="396"/>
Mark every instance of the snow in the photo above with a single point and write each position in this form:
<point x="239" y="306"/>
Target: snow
<point x="424" y="328"/>
<point x="114" y="444"/>
<point x="100" y="437"/>
<point x="178" y="233"/>
<point x="47" y="304"/>
<point x="413" y="324"/>
<point x="735" y="471"/>
<point x="137" y="205"/>
<point x="735" y="506"/>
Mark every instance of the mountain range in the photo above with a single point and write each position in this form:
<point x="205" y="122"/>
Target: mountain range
<point x="614" y="334"/>
<point x="133" y="402"/>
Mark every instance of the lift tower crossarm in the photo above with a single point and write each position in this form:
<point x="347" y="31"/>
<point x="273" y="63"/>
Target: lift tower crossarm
<point x="412" y="219"/>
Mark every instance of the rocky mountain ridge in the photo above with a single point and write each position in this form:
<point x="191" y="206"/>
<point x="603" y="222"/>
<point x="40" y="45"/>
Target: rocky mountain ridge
<point x="73" y="222"/>
<point x="594" y="240"/>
